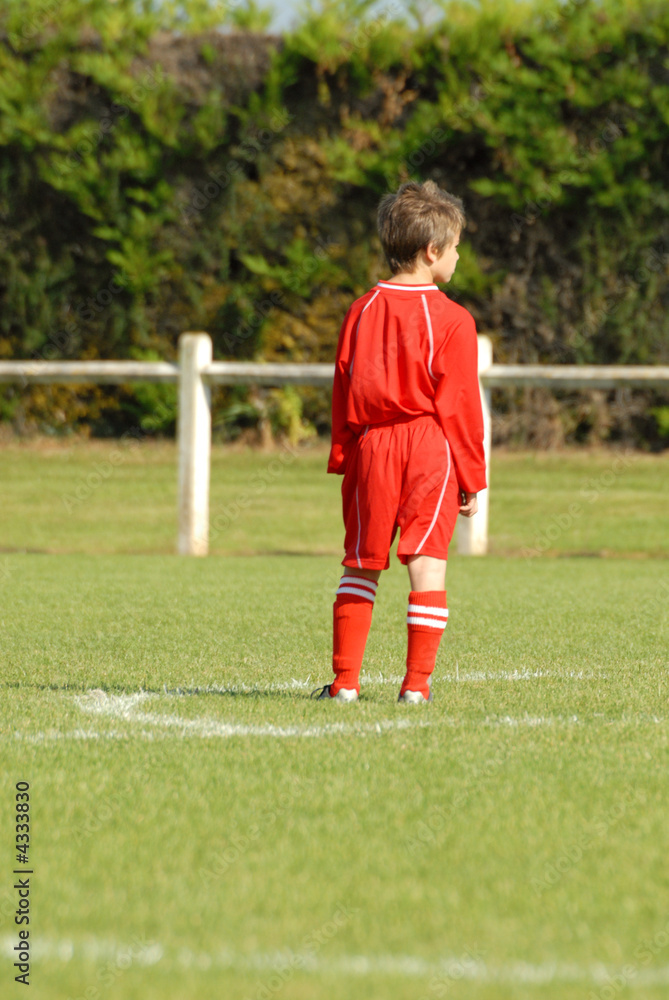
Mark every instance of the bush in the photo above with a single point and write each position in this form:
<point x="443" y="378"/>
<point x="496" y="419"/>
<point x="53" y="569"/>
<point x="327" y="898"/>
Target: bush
<point x="158" y="176"/>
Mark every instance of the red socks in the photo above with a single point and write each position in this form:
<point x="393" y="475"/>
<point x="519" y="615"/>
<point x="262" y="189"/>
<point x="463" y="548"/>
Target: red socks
<point x="352" y="619"/>
<point x="426" y="621"/>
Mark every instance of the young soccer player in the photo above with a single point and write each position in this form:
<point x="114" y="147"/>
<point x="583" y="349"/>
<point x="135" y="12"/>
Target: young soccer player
<point x="407" y="434"/>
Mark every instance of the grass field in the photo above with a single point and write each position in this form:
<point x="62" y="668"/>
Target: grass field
<point x="200" y="828"/>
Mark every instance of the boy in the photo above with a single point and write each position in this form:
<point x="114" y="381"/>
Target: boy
<point x="407" y="434"/>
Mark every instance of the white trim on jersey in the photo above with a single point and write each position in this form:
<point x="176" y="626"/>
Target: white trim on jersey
<point x="350" y="367"/>
<point x="441" y="497"/>
<point x="398" y="286"/>
<point x="430" y="335"/>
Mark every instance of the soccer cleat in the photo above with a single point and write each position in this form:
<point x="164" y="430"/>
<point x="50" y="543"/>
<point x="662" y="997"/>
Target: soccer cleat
<point x="414" y="697"/>
<point x="343" y="694"/>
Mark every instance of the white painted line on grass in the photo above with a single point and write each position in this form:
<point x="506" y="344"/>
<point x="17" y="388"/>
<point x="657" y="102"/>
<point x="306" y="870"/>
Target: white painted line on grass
<point x="531" y="720"/>
<point x="475" y="676"/>
<point x="334" y="729"/>
<point x="372" y="680"/>
<point x="155" y="726"/>
<point x="151" y="953"/>
<point x="127" y="708"/>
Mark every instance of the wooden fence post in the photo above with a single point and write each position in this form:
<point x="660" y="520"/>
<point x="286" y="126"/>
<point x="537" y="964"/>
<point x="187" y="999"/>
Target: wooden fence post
<point x="473" y="531"/>
<point x="194" y="437"/>
<point x="194" y="420"/>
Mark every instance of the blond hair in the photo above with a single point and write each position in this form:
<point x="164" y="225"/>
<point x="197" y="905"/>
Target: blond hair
<point x="415" y="216"/>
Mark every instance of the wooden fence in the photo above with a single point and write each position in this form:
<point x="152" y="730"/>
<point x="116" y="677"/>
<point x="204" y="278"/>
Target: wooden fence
<point x="196" y="372"/>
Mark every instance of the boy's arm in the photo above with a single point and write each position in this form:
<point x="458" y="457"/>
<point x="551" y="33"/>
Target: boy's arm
<point x="342" y="435"/>
<point x="458" y="402"/>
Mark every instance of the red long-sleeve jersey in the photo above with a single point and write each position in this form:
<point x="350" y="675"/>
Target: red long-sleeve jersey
<point x="405" y="351"/>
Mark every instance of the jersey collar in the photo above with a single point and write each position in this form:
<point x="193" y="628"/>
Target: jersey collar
<point x="398" y="287"/>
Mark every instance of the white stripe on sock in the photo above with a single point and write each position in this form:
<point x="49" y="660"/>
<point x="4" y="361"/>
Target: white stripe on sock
<point x="359" y="581"/>
<point x="358" y="585"/>
<point x="358" y="591"/>
<point x="414" y="620"/>
<point x="425" y="610"/>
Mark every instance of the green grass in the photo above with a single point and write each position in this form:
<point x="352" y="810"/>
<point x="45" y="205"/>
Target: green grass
<point x="112" y="498"/>
<point x="201" y="828"/>
<point x="580" y="503"/>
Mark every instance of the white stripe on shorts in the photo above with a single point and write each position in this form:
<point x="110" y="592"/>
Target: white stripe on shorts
<point x="357" y="547"/>
<point x="441" y="497"/>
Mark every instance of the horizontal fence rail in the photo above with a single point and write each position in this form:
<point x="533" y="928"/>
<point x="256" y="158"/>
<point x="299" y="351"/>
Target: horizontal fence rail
<point x="196" y="373"/>
<point x="581" y="377"/>
<point x="577" y="376"/>
<point x="78" y="372"/>
<point x="232" y="373"/>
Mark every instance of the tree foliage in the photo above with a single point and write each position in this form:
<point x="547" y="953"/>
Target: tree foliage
<point x="159" y="174"/>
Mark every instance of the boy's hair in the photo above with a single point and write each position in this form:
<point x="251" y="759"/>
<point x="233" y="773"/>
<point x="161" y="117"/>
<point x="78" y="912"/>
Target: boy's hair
<point x="416" y="215"/>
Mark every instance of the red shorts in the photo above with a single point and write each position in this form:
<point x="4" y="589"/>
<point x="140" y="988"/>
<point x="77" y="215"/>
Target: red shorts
<point x="399" y="475"/>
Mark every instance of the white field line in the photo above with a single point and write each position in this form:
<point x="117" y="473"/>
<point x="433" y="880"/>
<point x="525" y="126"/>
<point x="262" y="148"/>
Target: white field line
<point x="227" y="730"/>
<point x="153" y="953"/>
<point x="127" y="708"/>
<point x="372" y="680"/>
<point x="155" y="726"/>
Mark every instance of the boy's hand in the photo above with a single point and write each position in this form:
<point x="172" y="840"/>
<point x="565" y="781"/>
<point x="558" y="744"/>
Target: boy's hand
<point x="469" y="504"/>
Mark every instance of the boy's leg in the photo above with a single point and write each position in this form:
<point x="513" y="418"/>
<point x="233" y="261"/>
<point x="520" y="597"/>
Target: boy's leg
<point x="426" y="620"/>
<point x="352" y="617"/>
<point x="427" y="516"/>
<point x="370" y="495"/>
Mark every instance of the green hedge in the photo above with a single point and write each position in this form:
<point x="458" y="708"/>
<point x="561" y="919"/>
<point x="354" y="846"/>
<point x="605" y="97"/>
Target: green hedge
<point x="158" y="176"/>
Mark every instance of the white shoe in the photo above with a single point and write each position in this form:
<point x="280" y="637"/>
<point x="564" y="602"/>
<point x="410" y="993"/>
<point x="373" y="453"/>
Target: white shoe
<point x="414" y="698"/>
<point x="343" y="694"/>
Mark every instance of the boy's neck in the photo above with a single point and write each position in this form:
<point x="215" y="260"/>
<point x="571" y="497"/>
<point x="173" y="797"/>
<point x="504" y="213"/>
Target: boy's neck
<point x="421" y="276"/>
